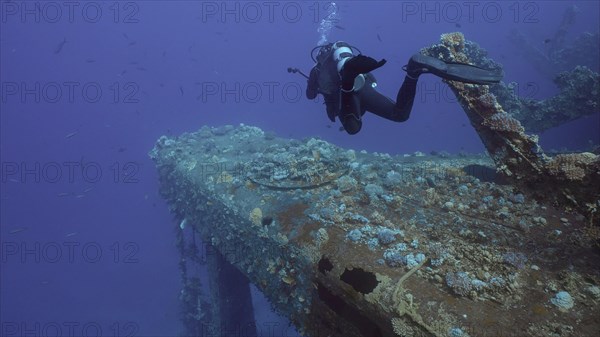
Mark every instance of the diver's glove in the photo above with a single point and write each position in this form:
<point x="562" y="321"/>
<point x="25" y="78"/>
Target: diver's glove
<point x="358" y="64"/>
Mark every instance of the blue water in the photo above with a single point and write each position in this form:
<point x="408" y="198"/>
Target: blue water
<point x="96" y="249"/>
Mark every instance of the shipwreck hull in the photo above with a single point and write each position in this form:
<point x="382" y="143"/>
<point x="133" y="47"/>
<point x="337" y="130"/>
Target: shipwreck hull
<point x="347" y="243"/>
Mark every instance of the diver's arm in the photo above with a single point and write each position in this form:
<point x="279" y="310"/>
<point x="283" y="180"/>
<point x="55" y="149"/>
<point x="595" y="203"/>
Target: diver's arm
<point x="312" y="85"/>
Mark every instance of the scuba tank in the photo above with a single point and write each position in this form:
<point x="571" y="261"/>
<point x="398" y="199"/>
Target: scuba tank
<point x="329" y="61"/>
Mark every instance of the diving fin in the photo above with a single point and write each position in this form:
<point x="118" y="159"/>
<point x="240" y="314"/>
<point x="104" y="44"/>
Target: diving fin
<point x="357" y="65"/>
<point x="452" y="71"/>
<point x="472" y="74"/>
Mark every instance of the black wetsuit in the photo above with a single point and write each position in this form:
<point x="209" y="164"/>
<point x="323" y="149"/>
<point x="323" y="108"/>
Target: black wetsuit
<point x="324" y="79"/>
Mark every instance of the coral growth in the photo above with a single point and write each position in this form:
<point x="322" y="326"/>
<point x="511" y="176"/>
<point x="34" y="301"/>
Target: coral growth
<point x="401" y="328"/>
<point x="256" y="216"/>
<point x="571" y="166"/>
<point x="563" y="301"/>
<point x="504" y="122"/>
<point x="459" y="282"/>
<point x="455" y="40"/>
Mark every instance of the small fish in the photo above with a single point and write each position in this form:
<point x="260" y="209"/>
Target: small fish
<point x="45" y="282"/>
<point x="123" y="72"/>
<point x="17" y="230"/>
<point x="132" y="43"/>
<point x="72" y="134"/>
<point x="89" y="60"/>
<point x="68" y="235"/>
<point x="339" y="27"/>
<point x="63" y="194"/>
<point x="328" y="126"/>
<point x="79" y="196"/>
<point x="379" y="37"/>
<point x="181" y="89"/>
<point x="122" y="149"/>
<point x="546" y="41"/>
<point x="457" y="25"/>
<point x="341" y="128"/>
<point x="88" y="189"/>
<point x="125" y="36"/>
<point x="133" y="62"/>
<point x="60" y="46"/>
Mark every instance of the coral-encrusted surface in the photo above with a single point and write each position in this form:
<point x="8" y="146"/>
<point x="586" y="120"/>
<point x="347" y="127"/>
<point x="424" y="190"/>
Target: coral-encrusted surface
<point x="579" y="96"/>
<point x="571" y="181"/>
<point x="377" y="245"/>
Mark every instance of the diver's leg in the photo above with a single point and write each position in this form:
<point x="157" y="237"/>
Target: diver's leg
<point x="405" y="98"/>
<point x="350" y="115"/>
<point x="383" y="106"/>
<point x="332" y="106"/>
<point x="349" y="68"/>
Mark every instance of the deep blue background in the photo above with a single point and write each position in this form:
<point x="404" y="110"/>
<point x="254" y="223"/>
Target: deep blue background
<point x="176" y="46"/>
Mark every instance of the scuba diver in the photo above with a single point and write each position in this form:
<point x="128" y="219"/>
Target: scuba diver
<point x="348" y="87"/>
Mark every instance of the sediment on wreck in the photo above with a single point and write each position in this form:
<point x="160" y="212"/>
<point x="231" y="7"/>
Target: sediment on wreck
<point x="570" y="181"/>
